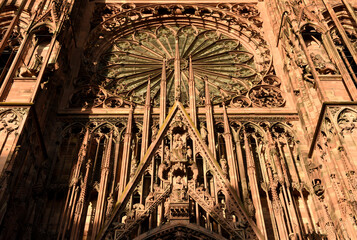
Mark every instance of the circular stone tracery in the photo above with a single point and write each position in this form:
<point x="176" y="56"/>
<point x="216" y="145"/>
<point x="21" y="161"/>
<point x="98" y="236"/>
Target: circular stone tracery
<point x="222" y="62"/>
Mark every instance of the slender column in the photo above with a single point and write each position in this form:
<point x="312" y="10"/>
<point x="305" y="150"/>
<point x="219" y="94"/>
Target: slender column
<point x="350" y="10"/>
<point x="254" y="186"/>
<point x="102" y="193"/>
<point x="209" y="120"/>
<point x="68" y="211"/>
<point x="80" y="204"/>
<point x="116" y="162"/>
<point x="11" y="26"/>
<point x="146" y="122"/>
<point x="273" y="153"/>
<point x="211" y="139"/>
<point x="163" y="101"/>
<point x="278" y="211"/>
<point x="233" y="170"/>
<point x="126" y="153"/>
<point x="163" y="93"/>
<point x="192" y="92"/>
<point x="341" y="30"/>
<point x="292" y="204"/>
<point x="347" y="63"/>
<point x="241" y="167"/>
<point x="341" y="65"/>
<point x="8" y="64"/>
<point x="177" y="71"/>
<point x="193" y="112"/>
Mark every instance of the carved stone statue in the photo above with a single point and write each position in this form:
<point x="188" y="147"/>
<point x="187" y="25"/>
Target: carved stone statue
<point x="224" y="165"/>
<point x="203" y="132"/>
<point x="322" y="66"/>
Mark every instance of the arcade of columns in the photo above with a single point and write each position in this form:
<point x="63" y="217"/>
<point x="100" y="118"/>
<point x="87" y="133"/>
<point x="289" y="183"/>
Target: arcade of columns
<point x="213" y="120"/>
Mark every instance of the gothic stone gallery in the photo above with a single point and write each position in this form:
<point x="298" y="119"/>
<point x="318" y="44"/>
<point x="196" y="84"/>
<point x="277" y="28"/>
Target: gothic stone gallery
<point x="179" y="120"/>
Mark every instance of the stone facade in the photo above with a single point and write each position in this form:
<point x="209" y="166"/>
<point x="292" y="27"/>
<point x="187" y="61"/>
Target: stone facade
<point x="173" y="119"/>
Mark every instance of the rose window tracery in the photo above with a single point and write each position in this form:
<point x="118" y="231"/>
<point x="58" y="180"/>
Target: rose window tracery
<point x="167" y="51"/>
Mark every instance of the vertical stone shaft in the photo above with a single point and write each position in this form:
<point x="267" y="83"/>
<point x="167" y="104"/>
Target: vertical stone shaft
<point x="233" y="169"/>
<point x="126" y="153"/>
<point x="146" y="122"/>
<point x="293" y="174"/>
<point x="163" y="93"/>
<point x="277" y="208"/>
<point x="68" y="210"/>
<point x="80" y="205"/>
<point x="177" y="71"/>
<point x="273" y="153"/>
<point x="241" y="167"/>
<point x="192" y="93"/>
<point x="254" y="186"/>
<point x="209" y="120"/>
<point x="99" y="210"/>
<point x="350" y="10"/>
<point x="116" y="163"/>
<point x="11" y="27"/>
<point x="341" y="30"/>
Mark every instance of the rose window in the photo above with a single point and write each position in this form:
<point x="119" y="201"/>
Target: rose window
<point x="175" y="54"/>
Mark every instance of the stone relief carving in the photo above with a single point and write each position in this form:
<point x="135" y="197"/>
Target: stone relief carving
<point x="244" y="18"/>
<point x="266" y="96"/>
<point x="346" y="121"/>
<point x="88" y="96"/>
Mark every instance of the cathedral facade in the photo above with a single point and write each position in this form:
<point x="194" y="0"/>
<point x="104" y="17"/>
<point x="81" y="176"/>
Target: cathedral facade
<point x="171" y="119"/>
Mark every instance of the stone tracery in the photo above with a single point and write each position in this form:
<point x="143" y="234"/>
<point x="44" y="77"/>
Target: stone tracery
<point x="226" y="161"/>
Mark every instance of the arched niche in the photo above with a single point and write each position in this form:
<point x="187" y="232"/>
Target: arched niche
<point x="314" y="41"/>
<point x="35" y="51"/>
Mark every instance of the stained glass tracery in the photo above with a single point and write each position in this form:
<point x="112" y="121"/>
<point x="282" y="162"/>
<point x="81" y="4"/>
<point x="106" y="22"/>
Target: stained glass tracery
<point x="223" y="62"/>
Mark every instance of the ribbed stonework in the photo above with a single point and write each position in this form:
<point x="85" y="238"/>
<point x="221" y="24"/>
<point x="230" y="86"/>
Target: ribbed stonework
<point x="161" y="120"/>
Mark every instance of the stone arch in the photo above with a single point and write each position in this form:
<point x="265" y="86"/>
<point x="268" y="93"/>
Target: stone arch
<point x="106" y="124"/>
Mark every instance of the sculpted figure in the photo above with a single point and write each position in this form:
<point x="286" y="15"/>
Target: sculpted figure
<point x="194" y="169"/>
<point x="224" y="165"/>
<point x="162" y="167"/>
<point x="149" y="198"/>
<point x="189" y="153"/>
<point x="203" y="132"/>
<point x="321" y="65"/>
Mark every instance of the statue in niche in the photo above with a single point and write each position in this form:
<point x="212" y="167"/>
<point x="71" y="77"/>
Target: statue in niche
<point x="194" y="170"/>
<point x="149" y="198"/>
<point x="167" y="207"/>
<point x="321" y="65"/>
<point x="224" y="165"/>
<point x="203" y="132"/>
<point x="162" y="168"/>
<point x="133" y="169"/>
<point x="178" y="145"/>
<point x="189" y="153"/>
<point x="154" y="131"/>
<point x="250" y="207"/>
<point x="179" y="191"/>
<point x="319" y="56"/>
<point x="110" y="205"/>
